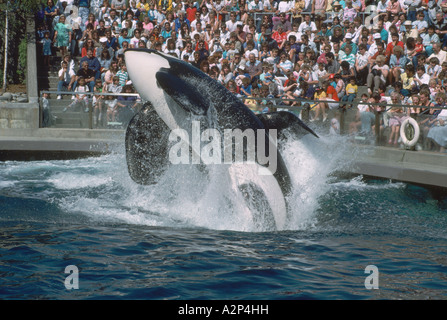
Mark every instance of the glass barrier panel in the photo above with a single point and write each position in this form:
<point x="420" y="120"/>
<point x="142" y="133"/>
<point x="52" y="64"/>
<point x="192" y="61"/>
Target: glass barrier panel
<point x="88" y="111"/>
<point x="380" y="124"/>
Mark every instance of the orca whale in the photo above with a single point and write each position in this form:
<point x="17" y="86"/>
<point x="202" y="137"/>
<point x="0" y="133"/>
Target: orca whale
<point x="178" y="94"/>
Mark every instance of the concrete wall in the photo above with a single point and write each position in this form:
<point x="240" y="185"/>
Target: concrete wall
<point x="57" y="144"/>
<point x="427" y="168"/>
<point x="57" y="133"/>
<point x="19" y="115"/>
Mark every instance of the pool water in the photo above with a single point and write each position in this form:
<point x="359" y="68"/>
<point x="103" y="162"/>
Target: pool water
<point x="184" y="238"/>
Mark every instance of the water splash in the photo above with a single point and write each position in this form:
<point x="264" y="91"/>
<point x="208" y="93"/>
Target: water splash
<point x="311" y="162"/>
<point x="186" y="196"/>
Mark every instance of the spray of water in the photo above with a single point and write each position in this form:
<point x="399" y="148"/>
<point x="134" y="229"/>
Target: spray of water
<point x="100" y="191"/>
<point x="187" y="196"/>
<point x="311" y="162"/>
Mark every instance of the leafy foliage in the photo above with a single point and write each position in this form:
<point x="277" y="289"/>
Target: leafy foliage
<point x="17" y="11"/>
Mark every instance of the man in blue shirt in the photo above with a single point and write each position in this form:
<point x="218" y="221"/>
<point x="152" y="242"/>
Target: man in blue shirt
<point x="123" y="37"/>
<point x="180" y="19"/>
<point x="111" y="42"/>
<point x="204" y="53"/>
<point x="93" y="63"/>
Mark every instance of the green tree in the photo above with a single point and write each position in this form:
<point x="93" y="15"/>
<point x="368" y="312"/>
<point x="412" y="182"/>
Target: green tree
<point x="17" y="12"/>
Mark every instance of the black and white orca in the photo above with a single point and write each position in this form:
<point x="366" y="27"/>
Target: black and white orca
<point x="177" y="95"/>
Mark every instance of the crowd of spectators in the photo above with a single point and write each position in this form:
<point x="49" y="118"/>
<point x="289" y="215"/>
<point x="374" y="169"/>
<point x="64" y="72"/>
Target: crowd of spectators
<point x="292" y="50"/>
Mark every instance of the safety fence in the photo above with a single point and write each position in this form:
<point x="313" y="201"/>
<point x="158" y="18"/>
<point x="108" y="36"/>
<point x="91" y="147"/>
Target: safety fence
<point x="87" y="110"/>
<point x="381" y="124"/>
<point x="370" y="11"/>
<point x="404" y="126"/>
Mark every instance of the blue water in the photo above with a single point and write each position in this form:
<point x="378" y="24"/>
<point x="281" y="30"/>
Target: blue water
<point x="184" y="238"/>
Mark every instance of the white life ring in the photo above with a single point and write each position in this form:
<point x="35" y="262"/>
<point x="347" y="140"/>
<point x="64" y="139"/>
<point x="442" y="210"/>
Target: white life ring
<point x="409" y="143"/>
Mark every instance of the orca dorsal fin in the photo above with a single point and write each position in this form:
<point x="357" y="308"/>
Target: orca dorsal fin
<point x="281" y="120"/>
<point x="183" y="92"/>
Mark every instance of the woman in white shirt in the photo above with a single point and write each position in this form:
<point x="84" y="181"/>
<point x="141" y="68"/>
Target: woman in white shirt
<point x="382" y="5"/>
<point x="378" y="74"/>
<point x="285" y="6"/>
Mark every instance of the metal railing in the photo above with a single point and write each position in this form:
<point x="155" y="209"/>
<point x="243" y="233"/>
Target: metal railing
<point x="256" y="15"/>
<point x="97" y="110"/>
<point x="259" y="15"/>
<point x="382" y="117"/>
<point x="349" y="120"/>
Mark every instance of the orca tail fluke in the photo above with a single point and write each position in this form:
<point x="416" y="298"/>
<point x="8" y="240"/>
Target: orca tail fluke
<point x="282" y="120"/>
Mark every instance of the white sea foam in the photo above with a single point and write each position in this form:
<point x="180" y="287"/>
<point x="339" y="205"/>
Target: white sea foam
<point x="310" y="162"/>
<point x="358" y="183"/>
<point x="69" y="181"/>
<point x="101" y="189"/>
<point x="186" y="196"/>
<point x="6" y="184"/>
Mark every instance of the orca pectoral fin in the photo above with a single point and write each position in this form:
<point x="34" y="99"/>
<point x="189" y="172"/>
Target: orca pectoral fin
<point x="282" y="120"/>
<point x="184" y="93"/>
<point x="147" y="140"/>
